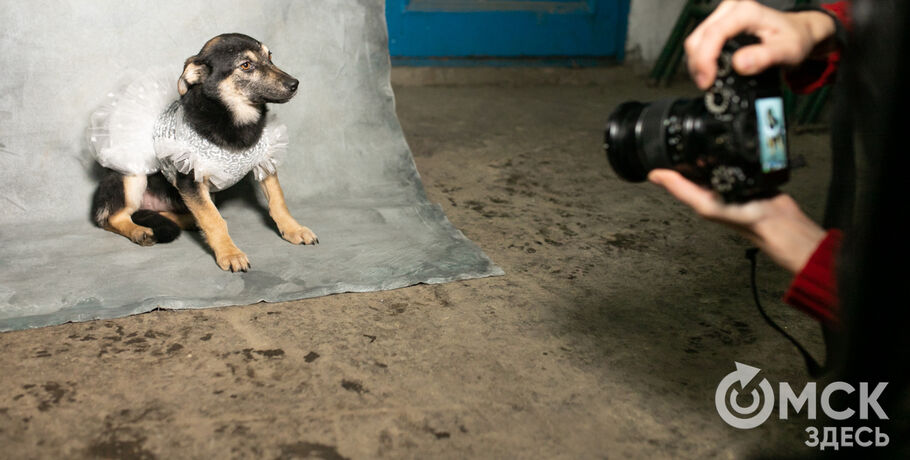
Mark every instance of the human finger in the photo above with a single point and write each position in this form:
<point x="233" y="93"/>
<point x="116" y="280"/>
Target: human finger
<point x="715" y="15"/>
<point x="753" y="59"/>
<point x="701" y="200"/>
<point x="744" y="17"/>
<point x="693" y="43"/>
<point x="708" y="204"/>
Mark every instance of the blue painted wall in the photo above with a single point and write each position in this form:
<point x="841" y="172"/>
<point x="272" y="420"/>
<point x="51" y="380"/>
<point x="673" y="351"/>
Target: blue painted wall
<point x="507" y="28"/>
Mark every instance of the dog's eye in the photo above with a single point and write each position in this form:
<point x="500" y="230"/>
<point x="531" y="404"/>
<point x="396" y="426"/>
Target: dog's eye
<point x="247" y="65"/>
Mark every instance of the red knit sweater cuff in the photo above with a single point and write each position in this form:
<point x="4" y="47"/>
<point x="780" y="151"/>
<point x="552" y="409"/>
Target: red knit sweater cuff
<point x="814" y="290"/>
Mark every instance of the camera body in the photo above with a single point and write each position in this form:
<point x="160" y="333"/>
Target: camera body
<point x="732" y="140"/>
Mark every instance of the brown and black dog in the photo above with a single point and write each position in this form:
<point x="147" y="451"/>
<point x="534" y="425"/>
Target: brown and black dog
<point x="223" y="91"/>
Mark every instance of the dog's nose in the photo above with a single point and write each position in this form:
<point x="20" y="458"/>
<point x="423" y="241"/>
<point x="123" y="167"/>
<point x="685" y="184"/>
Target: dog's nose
<point x="292" y="86"/>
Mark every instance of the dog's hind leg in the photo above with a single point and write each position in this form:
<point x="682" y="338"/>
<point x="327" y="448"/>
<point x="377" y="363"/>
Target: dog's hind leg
<point x="184" y="221"/>
<point x="115" y="213"/>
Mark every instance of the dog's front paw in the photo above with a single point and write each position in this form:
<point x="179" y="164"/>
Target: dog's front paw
<point x="234" y="260"/>
<point x="300" y="235"/>
<point x="143" y="236"/>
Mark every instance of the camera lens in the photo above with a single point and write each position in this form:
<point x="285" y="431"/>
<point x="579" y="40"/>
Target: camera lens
<point x="731" y="139"/>
<point x="635" y="138"/>
<point x="619" y="142"/>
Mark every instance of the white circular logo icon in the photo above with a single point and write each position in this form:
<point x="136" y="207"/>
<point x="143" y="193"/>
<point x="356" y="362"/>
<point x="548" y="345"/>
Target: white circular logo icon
<point x="750" y="416"/>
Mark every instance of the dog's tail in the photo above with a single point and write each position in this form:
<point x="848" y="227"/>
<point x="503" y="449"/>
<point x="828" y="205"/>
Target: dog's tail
<point x="165" y="230"/>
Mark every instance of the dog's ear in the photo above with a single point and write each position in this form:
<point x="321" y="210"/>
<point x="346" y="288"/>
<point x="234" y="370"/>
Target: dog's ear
<point x="194" y="72"/>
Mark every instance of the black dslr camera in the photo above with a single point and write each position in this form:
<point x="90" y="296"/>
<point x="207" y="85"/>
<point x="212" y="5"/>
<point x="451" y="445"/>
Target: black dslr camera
<point x="733" y="140"/>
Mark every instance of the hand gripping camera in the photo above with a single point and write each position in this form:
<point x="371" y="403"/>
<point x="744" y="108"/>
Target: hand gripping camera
<point x="733" y="140"/>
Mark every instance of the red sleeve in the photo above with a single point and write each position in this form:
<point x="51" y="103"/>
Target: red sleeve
<point x="815" y="73"/>
<point x="814" y="290"/>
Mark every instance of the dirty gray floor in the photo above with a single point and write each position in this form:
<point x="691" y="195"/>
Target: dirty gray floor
<point x="618" y="316"/>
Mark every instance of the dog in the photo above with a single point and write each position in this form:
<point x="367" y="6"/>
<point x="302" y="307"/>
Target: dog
<point x="223" y="92"/>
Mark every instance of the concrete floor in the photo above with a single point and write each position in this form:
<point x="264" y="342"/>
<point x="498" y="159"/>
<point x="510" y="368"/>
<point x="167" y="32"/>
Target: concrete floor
<point x="619" y="314"/>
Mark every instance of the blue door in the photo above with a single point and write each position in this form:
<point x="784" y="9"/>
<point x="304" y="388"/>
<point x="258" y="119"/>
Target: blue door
<point x="424" y="29"/>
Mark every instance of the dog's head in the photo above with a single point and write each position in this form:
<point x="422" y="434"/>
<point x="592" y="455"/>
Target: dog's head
<point x="237" y="70"/>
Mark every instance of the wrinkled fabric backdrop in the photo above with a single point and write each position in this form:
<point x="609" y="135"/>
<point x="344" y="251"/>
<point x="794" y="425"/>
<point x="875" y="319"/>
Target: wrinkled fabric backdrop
<point x="348" y="175"/>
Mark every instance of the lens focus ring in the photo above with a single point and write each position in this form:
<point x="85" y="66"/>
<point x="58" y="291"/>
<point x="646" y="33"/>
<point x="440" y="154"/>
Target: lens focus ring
<point x="651" y="134"/>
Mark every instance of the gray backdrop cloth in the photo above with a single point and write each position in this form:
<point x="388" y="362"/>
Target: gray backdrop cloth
<point x="348" y="175"/>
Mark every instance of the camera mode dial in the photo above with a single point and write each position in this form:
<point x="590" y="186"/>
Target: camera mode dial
<point x="718" y="100"/>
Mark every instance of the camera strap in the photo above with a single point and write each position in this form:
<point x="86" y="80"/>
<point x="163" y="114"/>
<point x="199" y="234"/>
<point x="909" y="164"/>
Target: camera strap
<point x="814" y="368"/>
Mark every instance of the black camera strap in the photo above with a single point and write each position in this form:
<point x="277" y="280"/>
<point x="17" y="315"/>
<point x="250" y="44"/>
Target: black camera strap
<point x="815" y="369"/>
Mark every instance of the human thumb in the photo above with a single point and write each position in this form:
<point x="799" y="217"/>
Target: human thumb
<point x="752" y="59"/>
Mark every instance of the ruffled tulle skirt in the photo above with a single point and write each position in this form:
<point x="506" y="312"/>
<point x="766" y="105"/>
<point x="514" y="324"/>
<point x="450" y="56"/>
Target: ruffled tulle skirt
<point x="121" y="130"/>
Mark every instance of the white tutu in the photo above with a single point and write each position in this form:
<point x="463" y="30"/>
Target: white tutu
<point x="121" y="130"/>
<point x="141" y="130"/>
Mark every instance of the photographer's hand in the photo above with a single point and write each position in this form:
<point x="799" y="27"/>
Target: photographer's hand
<point x="777" y="226"/>
<point x="786" y="39"/>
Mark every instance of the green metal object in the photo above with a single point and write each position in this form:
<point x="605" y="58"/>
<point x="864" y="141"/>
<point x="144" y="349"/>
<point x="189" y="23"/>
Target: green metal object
<point x="678" y="55"/>
<point x="810" y="110"/>
<point x="789" y="105"/>
<point x="674" y="41"/>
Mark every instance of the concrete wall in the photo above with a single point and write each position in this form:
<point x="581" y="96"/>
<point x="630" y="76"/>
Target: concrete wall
<point x="650" y="22"/>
